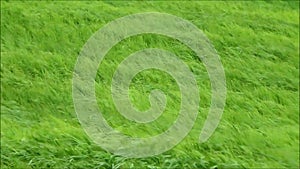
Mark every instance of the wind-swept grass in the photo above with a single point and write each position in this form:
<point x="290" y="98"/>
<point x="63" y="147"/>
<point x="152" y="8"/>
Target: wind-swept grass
<point x="258" y="43"/>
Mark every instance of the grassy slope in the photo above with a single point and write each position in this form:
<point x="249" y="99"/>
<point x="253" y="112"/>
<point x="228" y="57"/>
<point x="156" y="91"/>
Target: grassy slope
<point x="259" y="47"/>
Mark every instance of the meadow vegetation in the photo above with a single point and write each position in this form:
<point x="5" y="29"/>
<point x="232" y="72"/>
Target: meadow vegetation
<point x="258" y="44"/>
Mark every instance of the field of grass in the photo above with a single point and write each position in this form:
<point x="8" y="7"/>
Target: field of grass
<point x="258" y="44"/>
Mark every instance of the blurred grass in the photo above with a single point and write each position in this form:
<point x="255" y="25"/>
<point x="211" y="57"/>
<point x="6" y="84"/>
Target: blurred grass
<point x="258" y="43"/>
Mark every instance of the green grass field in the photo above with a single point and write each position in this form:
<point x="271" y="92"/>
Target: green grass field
<point x="258" y="44"/>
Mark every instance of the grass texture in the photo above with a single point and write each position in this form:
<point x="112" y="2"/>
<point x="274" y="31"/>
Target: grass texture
<point x="258" y="43"/>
